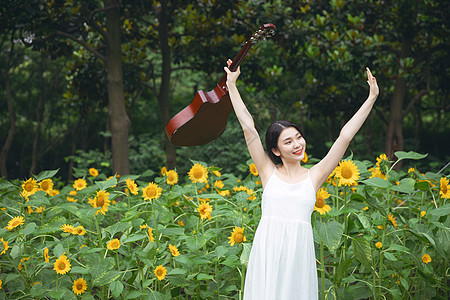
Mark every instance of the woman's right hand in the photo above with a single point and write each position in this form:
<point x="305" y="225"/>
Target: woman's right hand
<point x="231" y="76"/>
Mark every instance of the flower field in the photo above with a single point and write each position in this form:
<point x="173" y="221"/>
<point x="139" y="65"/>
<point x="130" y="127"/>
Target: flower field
<point x="379" y="233"/>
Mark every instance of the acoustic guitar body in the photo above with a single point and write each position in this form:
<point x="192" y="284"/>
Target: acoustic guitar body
<point x="206" y="116"/>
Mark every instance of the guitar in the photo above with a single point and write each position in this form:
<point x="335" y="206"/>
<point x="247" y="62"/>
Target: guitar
<point x="205" y="119"/>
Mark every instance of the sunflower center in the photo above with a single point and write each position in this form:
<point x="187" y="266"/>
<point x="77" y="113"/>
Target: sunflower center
<point x="62" y="266"/>
<point x="15" y="223"/>
<point x="45" y="186"/>
<point x="29" y="187"/>
<point x="444" y="189"/>
<point x="198" y="174"/>
<point x="80" y="286"/>
<point x="239" y="237"/>
<point x="151" y="193"/>
<point x="100" y="201"/>
<point x="346" y="173"/>
<point x="320" y="202"/>
<point x="159" y="272"/>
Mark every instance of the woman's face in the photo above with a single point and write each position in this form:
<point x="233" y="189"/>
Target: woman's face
<point x="291" y="145"/>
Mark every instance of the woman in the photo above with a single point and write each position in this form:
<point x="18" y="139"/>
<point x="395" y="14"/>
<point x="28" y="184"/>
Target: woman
<point x="282" y="262"/>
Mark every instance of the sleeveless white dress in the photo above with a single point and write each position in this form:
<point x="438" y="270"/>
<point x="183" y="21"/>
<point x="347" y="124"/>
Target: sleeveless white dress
<point x="282" y="263"/>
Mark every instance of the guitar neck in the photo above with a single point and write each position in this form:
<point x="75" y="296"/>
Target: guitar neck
<point x="234" y="65"/>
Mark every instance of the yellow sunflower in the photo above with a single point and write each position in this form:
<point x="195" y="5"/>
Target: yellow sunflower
<point x="46" y="185"/>
<point x="445" y="190"/>
<point x="79" y="184"/>
<point x="14" y="222"/>
<point x="198" y="173"/>
<point x="54" y="192"/>
<point x="79" y="230"/>
<point x="160" y="272"/>
<point x="29" y="187"/>
<point x="163" y="171"/>
<point x="320" y="205"/>
<point x="215" y="172"/>
<point x="378" y="245"/>
<point x="93" y="172"/>
<point x="151" y="191"/>
<point x="219" y="184"/>
<point x="150" y="235"/>
<point x="205" y="210"/>
<point x="67" y="228"/>
<point x="113" y="244"/>
<point x="102" y="201"/>
<point x="426" y="258"/>
<point x="253" y="169"/>
<point x="376" y="172"/>
<point x="172" y="177"/>
<point x="79" y="286"/>
<point x="381" y="159"/>
<point x="143" y="226"/>
<point x="347" y="173"/>
<point x="181" y="223"/>
<point x="174" y="250"/>
<point x="62" y="264"/>
<point x="46" y="258"/>
<point x="392" y="219"/>
<point x="132" y="186"/>
<point x="70" y="199"/>
<point x="237" y="236"/>
<point x="305" y="159"/>
<point x="5" y="246"/>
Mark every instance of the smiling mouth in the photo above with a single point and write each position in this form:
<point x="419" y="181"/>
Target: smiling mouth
<point x="298" y="152"/>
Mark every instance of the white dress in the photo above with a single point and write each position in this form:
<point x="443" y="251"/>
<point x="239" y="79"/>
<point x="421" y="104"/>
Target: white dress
<point x="282" y="263"/>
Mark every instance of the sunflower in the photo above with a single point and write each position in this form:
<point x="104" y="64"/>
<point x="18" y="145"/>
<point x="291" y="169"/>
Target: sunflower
<point x="14" y="222"/>
<point x="215" y="171"/>
<point x="70" y="199"/>
<point x="347" y="173"/>
<point x="79" y="184"/>
<point x="160" y="272"/>
<point x="79" y="286"/>
<point x="93" y="172"/>
<point x="237" y="236"/>
<point x="382" y="159"/>
<point x="113" y="244"/>
<point x="29" y="187"/>
<point x="205" y="210"/>
<point x="181" y="223"/>
<point x="392" y="219"/>
<point x="5" y="246"/>
<point x="46" y="258"/>
<point x="376" y="172"/>
<point x="54" y="192"/>
<point x="174" y="250"/>
<point x="62" y="264"/>
<point x="143" y="226"/>
<point x="102" y="201"/>
<point x="150" y="235"/>
<point x="426" y="258"/>
<point x="163" y="171"/>
<point x="320" y="205"/>
<point x="445" y="190"/>
<point x="79" y="230"/>
<point x="305" y="158"/>
<point x="172" y="177"/>
<point x="132" y="186"/>
<point x="253" y="169"/>
<point x="219" y="184"/>
<point x="67" y="228"/>
<point x="151" y="191"/>
<point x="73" y="193"/>
<point x="378" y="245"/>
<point x="198" y="173"/>
<point x="46" y="185"/>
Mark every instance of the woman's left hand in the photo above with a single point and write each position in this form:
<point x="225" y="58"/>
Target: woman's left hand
<point x="371" y="80"/>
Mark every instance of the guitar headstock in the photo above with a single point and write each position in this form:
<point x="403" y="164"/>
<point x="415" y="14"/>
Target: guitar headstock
<point x="266" y="31"/>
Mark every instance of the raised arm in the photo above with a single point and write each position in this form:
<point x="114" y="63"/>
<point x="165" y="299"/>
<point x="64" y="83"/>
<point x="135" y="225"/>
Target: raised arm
<point x="252" y="139"/>
<point x="323" y="169"/>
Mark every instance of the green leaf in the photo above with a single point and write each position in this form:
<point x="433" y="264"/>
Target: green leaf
<point x="5" y="184"/>
<point x="116" y="288"/>
<point x="177" y="271"/>
<point x="330" y="234"/>
<point x="203" y="276"/>
<point x="441" y="211"/>
<point x="377" y="182"/>
<point x="58" y="293"/>
<point x="134" y="238"/>
<point x="106" y="278"/>
<point x="172" y="231"/>
<point x="400" y="248"/>
<point x="409" y="155"/>
<point x="133" y="294"/>
<point x="342" y="269"/>
<point x="30" y="228"/>
<point x="390" y="256"/>
<point x="131" y="215"/>
<point x="245" y="253"/>
<point x="220" y="251"/>
<point x="46" y="174"/>
<point x="118" y="227"/>
<point x="37" y="290"/>
<point x="103" y="185"/>
<point x="58" y="250"/>
<point x="406" y="186"/>
<point x="79" y="270"/>
<point x="361" y="248"/>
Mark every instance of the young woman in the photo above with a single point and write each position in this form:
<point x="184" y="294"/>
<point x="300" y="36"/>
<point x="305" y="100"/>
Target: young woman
<point x="282" y="262"/>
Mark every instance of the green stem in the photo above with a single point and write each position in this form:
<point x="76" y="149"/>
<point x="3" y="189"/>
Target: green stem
<point x="118" y="263"/>
<point x="322" y="262"/>
<point x="98" y="232"/>
<point x="156" y="225"/>
<point x="345" y="225"/>
<point x="242" y="282"/>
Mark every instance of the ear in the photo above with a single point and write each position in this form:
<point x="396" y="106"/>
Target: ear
<point x="276" y="152"/>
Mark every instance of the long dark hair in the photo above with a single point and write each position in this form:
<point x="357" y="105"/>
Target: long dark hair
<point x="272" y="135"/>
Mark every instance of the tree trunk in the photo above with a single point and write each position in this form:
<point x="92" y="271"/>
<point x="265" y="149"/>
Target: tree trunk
<point x="39" y="109"/>
<point x="164" y="99"/>
<point x="118" y="118"/>
<point x="12" y="126"/>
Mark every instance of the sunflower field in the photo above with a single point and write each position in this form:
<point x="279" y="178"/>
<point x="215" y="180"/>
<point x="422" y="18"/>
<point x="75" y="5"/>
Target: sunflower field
<point x="380" y="233"/>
